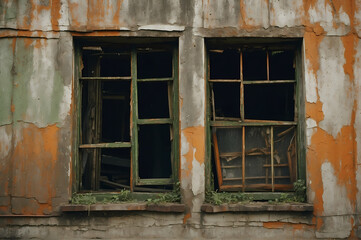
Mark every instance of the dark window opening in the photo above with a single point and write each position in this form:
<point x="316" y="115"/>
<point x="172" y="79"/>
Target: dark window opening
<point x="115" y="168"/>
<point x="254" y="65"/>
<point x="154" y="65"/>
<point x="282" y="65"/>
<point x="224" y="64"/>
<point x="253" y="118"/>
<point x="226" y="98"/>
<point x="116" y="112"/>
<point x="269" y="102"/>
<point x="115" y="65"/>
<point x="154" y="151"/>
<point x="153" y="100"/>
<point x="126" y="118"/>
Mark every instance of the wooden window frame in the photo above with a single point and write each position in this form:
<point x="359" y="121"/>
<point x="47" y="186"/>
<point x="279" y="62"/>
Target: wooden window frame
<point x="136" y="182"/>
<point x="212" y="122"/>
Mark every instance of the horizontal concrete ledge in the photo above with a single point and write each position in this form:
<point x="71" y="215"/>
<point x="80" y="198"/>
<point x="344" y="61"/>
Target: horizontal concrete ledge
<point x="164" y="207"/>
<point x="258" y="207"/>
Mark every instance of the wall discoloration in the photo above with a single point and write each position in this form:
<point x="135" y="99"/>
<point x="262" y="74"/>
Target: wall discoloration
<point x="37" y="104"/>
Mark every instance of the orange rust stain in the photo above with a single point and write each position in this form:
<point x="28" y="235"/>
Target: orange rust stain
<point x="55" y="14"/>
<point x="34" y="160"/>
<point x="12" y="108"/>
<point x="314" y="111"/>
<point x="4" y="209"/>
<point x="242" y="18"/>
<point x="319" y="223"/>
<point x="98" y="33"/>
<point x="72" y="9"/>
<point x="186" y="217"/>
<point x="280" y="225"/>
<point x="195" y="136"/>
<point x="349" y="43"/>
<point x="117" y="12"/>
<point x="273" y="225"/>
<point x="95" y="13"/>
<point x="14" y="45"/>
<point x="354" y="229"/>
<point x="312" y="43"/>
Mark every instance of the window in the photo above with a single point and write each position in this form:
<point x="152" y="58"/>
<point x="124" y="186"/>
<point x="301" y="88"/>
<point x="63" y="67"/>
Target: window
<point x="253" y="117"/>
<point x="128" y="116"/>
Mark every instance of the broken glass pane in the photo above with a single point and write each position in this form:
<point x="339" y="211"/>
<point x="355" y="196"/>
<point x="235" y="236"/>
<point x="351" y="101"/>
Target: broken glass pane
<point x="229" y="141"/>
<point x="285" y="157"/>
<point x="258" y="155"/>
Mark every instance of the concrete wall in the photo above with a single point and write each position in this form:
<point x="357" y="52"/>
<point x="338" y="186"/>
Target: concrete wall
<point x="37" y="112"/>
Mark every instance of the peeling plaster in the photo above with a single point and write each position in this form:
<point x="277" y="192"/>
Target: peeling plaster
<point x="283" y="15"/>
<point x="197" y="177"/>
<point x="311" y="84"/>
<point x="311" y="125"/>
<point x="334" y="87"/>
<point x="168" y="28"/>
<point x="333" y="23"/>
<point x="335" y="201"/>
<point x="5" y="143"/>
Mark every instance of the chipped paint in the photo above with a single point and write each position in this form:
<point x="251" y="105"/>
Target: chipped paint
<point x="37" y="105"/>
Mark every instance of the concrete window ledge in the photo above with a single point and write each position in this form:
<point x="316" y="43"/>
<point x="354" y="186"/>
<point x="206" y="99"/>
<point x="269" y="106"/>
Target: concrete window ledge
<point x="164" y="207"/>
<point x="257" y="207"/>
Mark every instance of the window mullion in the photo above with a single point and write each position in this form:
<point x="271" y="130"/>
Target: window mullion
<point x="175" y="115"/>
<point x="134" y="119"/>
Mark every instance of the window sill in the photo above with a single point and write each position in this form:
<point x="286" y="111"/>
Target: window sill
<point x="257" y="207"/>
<point x="121" y="207"/>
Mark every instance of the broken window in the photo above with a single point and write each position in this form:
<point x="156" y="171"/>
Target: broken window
<point x="253" y="117"/>
<point x="128" y="117"/>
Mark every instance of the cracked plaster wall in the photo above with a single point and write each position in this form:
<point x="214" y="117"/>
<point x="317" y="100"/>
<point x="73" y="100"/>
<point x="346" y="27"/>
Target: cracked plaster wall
<point x="36" y="104"/>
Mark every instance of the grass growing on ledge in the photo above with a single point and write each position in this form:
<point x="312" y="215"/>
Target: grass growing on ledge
<point x="298" y="196"/>
<point x="89" y="198"/>
<point x="170" y="197"/>
<point x="218" y="198"/>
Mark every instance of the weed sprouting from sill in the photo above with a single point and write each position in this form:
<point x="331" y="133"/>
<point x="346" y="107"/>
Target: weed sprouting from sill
<point x="170" y="197"/>
<point x="89" y="198"/>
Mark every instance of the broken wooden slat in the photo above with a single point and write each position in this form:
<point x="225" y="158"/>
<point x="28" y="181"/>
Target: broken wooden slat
<point x="155" y="121"/>
<point x="155" y="181"/>
<point x="154" y="79"/>
<point x="224" y="80"/>
<point x="268" y="82"/>
<point x="107" y="145"/>
<point x="251" y="123"/>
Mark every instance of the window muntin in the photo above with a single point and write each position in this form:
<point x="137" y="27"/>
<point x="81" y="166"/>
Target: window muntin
<point x="253" y="117"/>
<point x="128" y="129"/>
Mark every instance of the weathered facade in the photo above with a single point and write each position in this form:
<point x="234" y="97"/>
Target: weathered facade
<point x="38" y="112"/>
